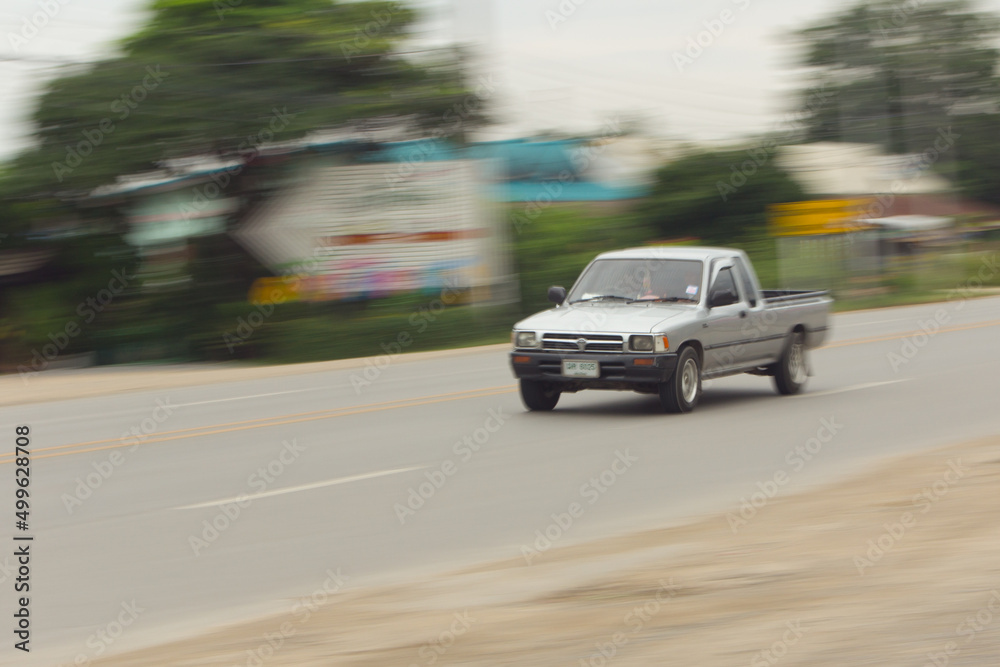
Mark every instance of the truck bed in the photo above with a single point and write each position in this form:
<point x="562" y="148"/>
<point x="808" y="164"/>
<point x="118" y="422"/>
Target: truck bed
<point x="781" y="297"/>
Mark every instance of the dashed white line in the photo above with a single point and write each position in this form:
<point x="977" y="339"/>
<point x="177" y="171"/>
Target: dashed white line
<point x="842" y="390"/>
<point x="303" y="487"/>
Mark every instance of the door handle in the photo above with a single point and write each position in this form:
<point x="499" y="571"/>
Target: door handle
<point x="743" y="313"/>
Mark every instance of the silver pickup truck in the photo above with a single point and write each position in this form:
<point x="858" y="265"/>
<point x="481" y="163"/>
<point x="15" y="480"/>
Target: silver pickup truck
<point x="660" y="320"/>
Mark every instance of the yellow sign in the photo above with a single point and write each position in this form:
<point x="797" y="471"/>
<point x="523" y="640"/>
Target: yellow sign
<point x="823" y="216"/>
<point x="275" y="290"/>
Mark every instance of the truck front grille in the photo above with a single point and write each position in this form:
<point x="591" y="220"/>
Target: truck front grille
<point x="604" y="343"/>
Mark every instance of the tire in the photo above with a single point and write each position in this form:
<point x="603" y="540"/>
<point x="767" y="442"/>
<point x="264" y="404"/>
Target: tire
<point x="792" y="370"/>
<point x="538" y="396"/>
<point x="683" y="390"/>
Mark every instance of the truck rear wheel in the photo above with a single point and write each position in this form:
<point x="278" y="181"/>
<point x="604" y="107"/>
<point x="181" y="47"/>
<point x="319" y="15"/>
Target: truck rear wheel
<point x="683" y="390"/>
<point x="538" y="396"/>
<point x="792" y="370"/>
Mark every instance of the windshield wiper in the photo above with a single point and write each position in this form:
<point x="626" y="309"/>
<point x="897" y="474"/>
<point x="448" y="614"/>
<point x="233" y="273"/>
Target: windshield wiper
<point x="605" y="296"/>
<point x="672" y="299"/>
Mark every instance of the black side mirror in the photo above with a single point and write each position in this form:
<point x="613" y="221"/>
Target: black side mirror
<point x="557" y="295"/>
<point x="722" y="298"/>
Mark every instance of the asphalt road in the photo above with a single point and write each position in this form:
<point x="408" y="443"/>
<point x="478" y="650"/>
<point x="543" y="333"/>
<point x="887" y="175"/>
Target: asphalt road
<point x="323" y="465"/>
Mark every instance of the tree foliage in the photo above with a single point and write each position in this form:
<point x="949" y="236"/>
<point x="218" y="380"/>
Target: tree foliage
<point x="717" y="196"/>
<point x="554" y="246"/>
<point x="895" y="73"/>
<point x="226" y="75"/>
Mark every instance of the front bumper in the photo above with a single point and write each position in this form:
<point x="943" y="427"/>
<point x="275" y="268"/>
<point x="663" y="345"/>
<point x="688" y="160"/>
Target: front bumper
<point x="618" y="371"/>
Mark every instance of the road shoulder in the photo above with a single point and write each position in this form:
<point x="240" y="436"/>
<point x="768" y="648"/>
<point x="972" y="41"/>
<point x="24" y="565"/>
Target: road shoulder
<point x="885" y="568"/>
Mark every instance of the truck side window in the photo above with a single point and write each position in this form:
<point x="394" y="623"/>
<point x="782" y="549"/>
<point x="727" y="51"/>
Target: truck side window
<point x="724" y="281"/>
<point x="749" y="291"/>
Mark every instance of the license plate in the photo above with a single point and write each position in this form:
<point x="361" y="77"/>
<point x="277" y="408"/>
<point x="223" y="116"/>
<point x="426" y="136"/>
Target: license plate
<point x="581" y="369"/>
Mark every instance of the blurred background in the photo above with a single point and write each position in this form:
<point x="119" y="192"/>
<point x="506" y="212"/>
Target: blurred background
<point x="298" y="180"/>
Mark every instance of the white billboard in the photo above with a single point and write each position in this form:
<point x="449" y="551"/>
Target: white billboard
<point x="364" y="231"/>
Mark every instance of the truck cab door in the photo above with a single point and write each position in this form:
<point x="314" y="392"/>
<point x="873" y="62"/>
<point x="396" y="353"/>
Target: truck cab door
<point x="762" y="339"/>
<point x="727" y="312"/>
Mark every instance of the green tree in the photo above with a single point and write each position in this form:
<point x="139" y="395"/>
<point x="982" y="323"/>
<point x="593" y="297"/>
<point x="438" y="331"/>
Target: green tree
<point x="897" y="73"/>
<point x="717" y="196"/>
<point x="554" y="244"/>
<point x="222" y="76"/>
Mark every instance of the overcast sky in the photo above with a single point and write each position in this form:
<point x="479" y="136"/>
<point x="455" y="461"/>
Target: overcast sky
<point x="567" y="65"/>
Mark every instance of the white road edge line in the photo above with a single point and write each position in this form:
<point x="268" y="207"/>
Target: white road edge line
<point x="243" y="398"/>
<point x="139" y="410"/>
<point x="303" y="487"/>
<point x="857" y="387"/>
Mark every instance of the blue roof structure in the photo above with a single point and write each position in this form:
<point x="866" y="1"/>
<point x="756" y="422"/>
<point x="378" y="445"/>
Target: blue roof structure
<point x="532" y="170"/>
<point x="535" y="170"/>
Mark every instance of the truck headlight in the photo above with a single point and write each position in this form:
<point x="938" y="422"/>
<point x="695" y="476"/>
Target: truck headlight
<point x="641" y="343"/>
<point x="525" y="339"/>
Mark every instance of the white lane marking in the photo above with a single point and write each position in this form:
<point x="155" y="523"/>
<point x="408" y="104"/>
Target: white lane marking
<point x="243" y="398"/>
<point x="857" y="387"/>
<point x="303" y="487"/>
<point x="147" y="408"/>
<point x="868" y="324"/>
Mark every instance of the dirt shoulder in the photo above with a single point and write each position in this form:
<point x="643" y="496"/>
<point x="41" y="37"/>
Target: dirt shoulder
<point x="898" y="566"/>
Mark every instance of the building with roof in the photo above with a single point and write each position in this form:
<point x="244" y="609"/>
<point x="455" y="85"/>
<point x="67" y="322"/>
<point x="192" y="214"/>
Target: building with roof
<point x="201" y="196"/>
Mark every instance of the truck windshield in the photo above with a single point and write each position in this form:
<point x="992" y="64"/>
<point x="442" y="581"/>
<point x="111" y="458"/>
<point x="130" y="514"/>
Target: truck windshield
<point x="640" y="280"/>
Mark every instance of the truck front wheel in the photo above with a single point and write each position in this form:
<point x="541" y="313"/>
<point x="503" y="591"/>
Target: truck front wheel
<point x="683" y="390"/>
<point x="538" y="396"/>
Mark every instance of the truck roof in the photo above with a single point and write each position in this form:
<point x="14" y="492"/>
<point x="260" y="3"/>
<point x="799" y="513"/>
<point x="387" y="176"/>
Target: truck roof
<point x="702" y="253"/>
